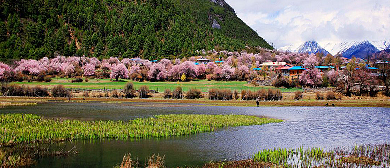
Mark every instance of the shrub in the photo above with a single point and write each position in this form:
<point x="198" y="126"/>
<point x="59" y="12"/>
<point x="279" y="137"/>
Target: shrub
<point x="47" y="79"/>
<point x="143" y="92"/>
<point x="40" y="92"/>
<point x="19" y="77"/>
<point x="248" y="95"/>
<point x="220" y="94"/>
<point x="86" y="94"/>
<point x="298" y="95"/>
<point x="194" y="94"/>
<point x="183" y="77"/>
<point x="177" y="93"/>
<point x="129" y="90"/>
<point x="243" y="94"/>
<point x="106" y="94"/>
<point x="12" y="90"/>
<point x="60" y="91"/>
<point x="319" y="96"/>
<point x="274" y="94"/>
<point x="225" y="94"/>
<point x="262" y="94"/>
<point x="167" y="94"/>
<point x="78" y="79"/>
<point x="235" y="95"/>
<point x="41" y="76"/>
<point x="115" y="93"/>
<point x="281" y="81"/>
<point x="209" y="77"/>
<point x="28" y="91"/>
<point x="330" y="95"/>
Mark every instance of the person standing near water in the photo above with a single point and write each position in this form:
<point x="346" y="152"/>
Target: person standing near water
<point x="257" y="101"/>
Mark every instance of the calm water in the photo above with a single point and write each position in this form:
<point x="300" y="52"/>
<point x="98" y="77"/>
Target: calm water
<point x="326" y="127"/>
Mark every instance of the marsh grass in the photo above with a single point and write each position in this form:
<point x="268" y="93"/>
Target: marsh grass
<point x="359" y="156"/>
<point x="23" y="155"/>
<point x="19" y="128"/>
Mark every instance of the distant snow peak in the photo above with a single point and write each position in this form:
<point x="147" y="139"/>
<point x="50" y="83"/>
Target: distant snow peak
<point x="360" y="49"/>
<point x="311" y="47"/>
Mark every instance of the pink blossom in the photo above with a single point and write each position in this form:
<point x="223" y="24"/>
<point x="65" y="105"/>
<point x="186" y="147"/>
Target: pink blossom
<point x="333" y="77"/>
<point x="60" y="59"/>
<point x="210" y="67"/>
<point x="230" y="61"/>
<point x="189" y="69"/>
<point x="259" y="58"/>
<point x="217" y="73"/>
<point x="135" y="69"/>
<point x="32" y="67"/>
<point x="55" y="66"/>
<point x="94" y="61"/>
<point x="241" y="72"/>
<point x="74" y="60"/>
<point x="166" y="62"/>
<point x="201" y="70"/>
<point x="89" y="69"/>
<point x="227" y="72"/>
<point x="126" y="61"/>
<point x="311" y="77"/>
<point x="192" y="59"/>
<point x="157" y="72"/>
<point x="174" y="72"/>
<point x="113" y="60"/>
<point x="311" y="61"/>
<point x="44" y="61"/>
<point x="68" y="68"/>
<point x="105" y="65"/>
<point x="177" y="61"/>
<point x="244" y="59"/>
<point x="4" y="68"/>
<point x="119" y="71"/>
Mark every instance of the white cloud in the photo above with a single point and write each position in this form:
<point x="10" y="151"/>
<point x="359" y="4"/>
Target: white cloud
<point x="286" y="22"/>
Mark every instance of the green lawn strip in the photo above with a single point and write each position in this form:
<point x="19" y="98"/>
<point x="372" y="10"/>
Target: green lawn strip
<point x="203" y="85"/>
<point x="29" y="128"/>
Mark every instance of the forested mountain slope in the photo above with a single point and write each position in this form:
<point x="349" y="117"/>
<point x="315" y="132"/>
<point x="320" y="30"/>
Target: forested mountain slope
<point x="150" y="29"/>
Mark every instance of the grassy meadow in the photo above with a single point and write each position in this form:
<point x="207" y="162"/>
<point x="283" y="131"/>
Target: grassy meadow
<point x="203" y="85"/>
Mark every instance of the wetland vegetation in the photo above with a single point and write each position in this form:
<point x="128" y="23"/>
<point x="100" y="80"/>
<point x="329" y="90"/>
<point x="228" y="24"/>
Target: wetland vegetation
<point x="358" y="156"/>
<point x="21" y="128"/>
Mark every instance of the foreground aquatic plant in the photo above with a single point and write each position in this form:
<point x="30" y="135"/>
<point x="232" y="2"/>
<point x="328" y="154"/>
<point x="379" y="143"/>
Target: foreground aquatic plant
<point x="15" y="128"/>
<point x="23" y="154"/>
<point x="359" y="156"/>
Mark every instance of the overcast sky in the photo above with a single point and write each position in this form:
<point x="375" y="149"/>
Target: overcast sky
<point x="292" y="22"/>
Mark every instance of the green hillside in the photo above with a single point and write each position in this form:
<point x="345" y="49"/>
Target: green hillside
<point x="151" y="29"/>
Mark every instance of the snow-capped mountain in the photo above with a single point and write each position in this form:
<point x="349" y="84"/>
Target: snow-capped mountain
<point x="311" y="47"/>
<point x="361" y="50"/>
<point x="347" y="49"/>
<point x="336" y="48"/>
<point x="290" y="48"/>
<point x="381" y="45"/>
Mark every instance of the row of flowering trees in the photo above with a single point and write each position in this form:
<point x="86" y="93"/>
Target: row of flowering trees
<point x="236" y="66"/>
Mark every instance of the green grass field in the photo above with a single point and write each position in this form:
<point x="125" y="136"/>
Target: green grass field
<point x="203" y="85"/>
